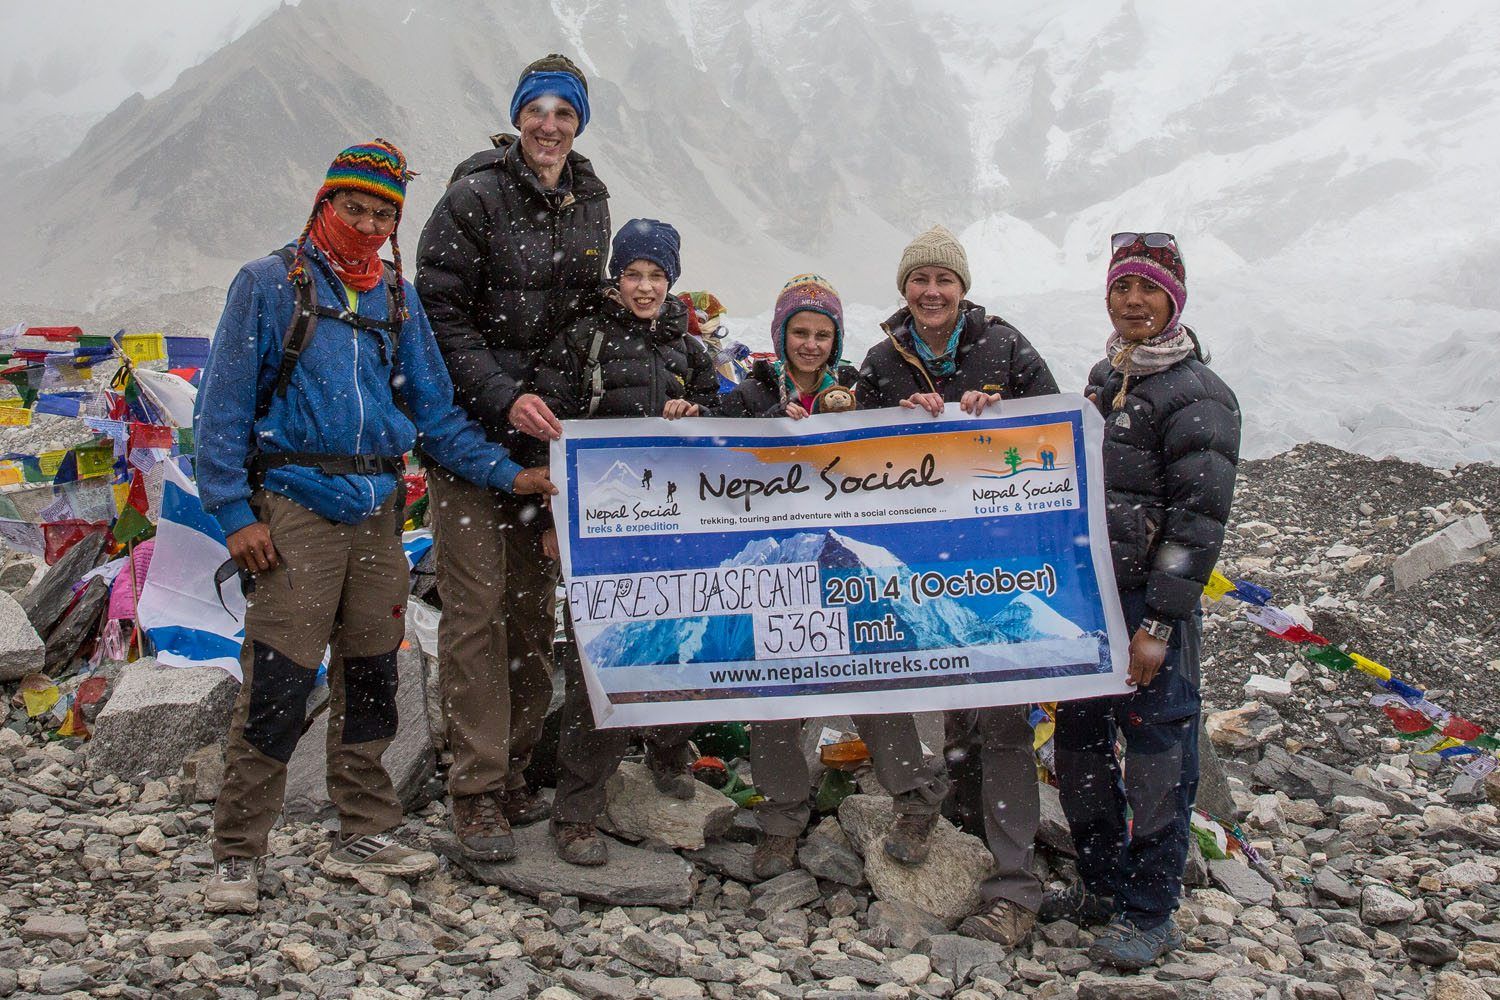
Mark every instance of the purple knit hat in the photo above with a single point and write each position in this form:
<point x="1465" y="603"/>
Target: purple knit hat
<point x="1162" y="266"/>
<point x="808" y="293"/>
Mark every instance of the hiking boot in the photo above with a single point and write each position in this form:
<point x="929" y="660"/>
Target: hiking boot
<point x="672" y="778"/>
<point x="909" y="838"/>
<point x="523" y="807"/>
<point x="1074" y="902"/>
<point x="774" y="855"/>
<point x="481" y="828"/>
<point x="377" y="854"/>
<point x="234" y="887"/>
<point x="1125" y="945"/>
<point x="580" y="844"/>
<point x="1002" y="922"/>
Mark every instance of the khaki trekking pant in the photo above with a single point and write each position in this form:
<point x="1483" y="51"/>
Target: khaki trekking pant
<point x="1008" y="797"/>
<point x="495" y="636"/>
<point x="917" y="783"/>
<point x="342" y="586"/>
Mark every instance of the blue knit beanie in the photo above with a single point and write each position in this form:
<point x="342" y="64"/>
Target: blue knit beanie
<point x="555" y="75"/>
<point x="647" y="239"/>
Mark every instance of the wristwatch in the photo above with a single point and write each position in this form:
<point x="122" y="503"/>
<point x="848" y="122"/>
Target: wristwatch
<point x="1156" y="629"/>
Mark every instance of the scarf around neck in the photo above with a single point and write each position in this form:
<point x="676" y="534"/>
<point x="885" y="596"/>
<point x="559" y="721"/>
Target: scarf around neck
<point x="942" y="365"/>
<point x="789" y="389"/>
<point x="1146" y="357"/>
<point x="353" y="255"/>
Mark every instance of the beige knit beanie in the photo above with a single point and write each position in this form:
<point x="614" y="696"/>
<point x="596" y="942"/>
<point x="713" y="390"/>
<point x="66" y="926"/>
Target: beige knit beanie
<point x="935" y="248"/>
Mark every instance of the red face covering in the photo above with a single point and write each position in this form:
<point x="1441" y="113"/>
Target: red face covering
<point x="355" y="256"/>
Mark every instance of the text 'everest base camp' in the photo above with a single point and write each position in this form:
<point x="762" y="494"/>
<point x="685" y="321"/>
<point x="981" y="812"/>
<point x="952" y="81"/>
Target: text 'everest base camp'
<point x="477" y="519"/>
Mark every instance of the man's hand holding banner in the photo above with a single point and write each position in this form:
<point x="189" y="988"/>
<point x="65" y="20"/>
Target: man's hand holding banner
<point x="853" y="563"/>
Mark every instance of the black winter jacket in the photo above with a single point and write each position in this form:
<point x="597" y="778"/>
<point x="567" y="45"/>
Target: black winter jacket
<point x="503" y="267"/>
<point x="758" y="395"/>
<point x="1169" y="458"/>
<point x="643" y="364"/>
<point x="992" y="356"/>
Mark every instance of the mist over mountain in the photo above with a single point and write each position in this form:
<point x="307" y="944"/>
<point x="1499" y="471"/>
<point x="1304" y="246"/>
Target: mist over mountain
<point x="1328" y="172"/>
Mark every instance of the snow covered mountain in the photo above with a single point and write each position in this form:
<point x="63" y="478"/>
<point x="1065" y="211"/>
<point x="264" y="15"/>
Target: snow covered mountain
<point x="1328" y="171"/>
<point x="934" y="624"/>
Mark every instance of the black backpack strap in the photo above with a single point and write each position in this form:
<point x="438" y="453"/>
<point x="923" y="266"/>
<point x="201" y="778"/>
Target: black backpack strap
<point x="300" y="330"/>
<point x="595" y="370"/>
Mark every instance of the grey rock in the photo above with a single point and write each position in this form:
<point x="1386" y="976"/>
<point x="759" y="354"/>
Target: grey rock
<point x="158" y="716"/>
<point x="1462" y="541"/>
<point x="79" y="624"/>
<point x="1237" y="879"/>
<point x="1214" y="796"/>
<point x="906" y="927"/>
<point x="633" y="877"/>
<point x="1053" y="829"/>
<point x="956" y="956"/>
<point x="650" y="952"/>
<point x="410" y="759"/>
<point x="1379" y="904"/>
<point x="827" y="855"/>
<point x="67" y="927"/>
<point x="203" y="774"/>
<point x="21" y="649"/>
<point x="597" y="986"/>
<point x="1248" y="727"/>
<point x="945" y="885"/>
<point x="9" y="981"/>
<point x="59" y="979"/>
<point x="1093" y="987"/>
<point x="179" y="944"/>
<point x="1329" y="885"/>
<point x="726" y="857"/>
<point x="1431" y="950"/>
<point x="48" y="599"/>
<point x="784" y="892"/>
<point x="1301" y="777"/>
<point x="635" y="810"/>
<point x="861" y="969"/>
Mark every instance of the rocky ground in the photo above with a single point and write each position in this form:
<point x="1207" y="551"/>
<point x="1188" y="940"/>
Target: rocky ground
<point x="1389" y="886"/>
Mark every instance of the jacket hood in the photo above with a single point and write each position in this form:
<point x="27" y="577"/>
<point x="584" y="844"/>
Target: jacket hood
<point x="584" y="184"/>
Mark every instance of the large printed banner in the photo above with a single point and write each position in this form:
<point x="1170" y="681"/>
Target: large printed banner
<point x="878" y="561"/>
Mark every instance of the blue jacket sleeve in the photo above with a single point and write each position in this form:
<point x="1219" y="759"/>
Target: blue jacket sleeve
<point x="443" y="430"/>
<point x="224" y="414"/>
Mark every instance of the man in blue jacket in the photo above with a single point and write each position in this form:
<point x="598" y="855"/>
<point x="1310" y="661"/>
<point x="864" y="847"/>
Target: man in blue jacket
<point x="323" y="374"/>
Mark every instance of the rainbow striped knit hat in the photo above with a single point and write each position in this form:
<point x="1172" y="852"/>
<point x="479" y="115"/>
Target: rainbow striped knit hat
<point x="377" y="168"/>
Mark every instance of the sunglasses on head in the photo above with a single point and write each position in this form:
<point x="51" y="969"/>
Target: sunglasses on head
<point x="1121" y="240"/>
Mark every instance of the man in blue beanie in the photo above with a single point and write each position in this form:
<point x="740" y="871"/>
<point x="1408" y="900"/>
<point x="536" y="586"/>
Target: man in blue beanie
<point x="514" y="249"/>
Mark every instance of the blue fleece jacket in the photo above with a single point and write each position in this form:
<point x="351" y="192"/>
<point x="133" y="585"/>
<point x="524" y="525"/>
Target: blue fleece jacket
<point x="339" y="402"/>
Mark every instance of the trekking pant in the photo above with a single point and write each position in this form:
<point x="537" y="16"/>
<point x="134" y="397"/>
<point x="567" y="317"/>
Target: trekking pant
<point x="341" y="586"/>
<point x="495" y="636"/>
<point x="1141" y="866"/>
<point x="918" y="783"/>
<point x="587" y="756"/>
<point x="1007" y="797"/>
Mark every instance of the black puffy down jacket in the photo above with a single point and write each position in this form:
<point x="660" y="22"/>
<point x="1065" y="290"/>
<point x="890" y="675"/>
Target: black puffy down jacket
<point x="758" y="395"/>
<point x="992" y="356"/>
<point x="503" y="267"/>
<point x="1169" y="458"/>
<point x="642" y="364"/>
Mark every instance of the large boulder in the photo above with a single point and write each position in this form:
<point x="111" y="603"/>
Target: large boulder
<point x="77" y="626"/>
<point x="1460" y="542"/>
<point x="49" y="598"/>
<point x="633" y="877"/>
<point x="158" y="716"/>
<point x="1301" y="777"/>
<point x="1248" y="727"/>
<point x="409" y="759"/>
<point x="21" y="649"/>
<point x="946" y="885"/>
<point x="635" y="810"/>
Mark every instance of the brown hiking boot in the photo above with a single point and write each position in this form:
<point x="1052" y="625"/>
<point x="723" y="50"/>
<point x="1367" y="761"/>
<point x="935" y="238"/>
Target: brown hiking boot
<point x="1002" y="922"/>
<point x="523" y="807"/>
<point x="774" y="855"/>
<point x="580" y="844"/>
<point x="908" y="840"/>
<point x="481" y="829"/>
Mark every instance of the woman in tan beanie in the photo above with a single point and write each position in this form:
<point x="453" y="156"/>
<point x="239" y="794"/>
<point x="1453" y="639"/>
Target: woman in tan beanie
<point x="941" y="348"/>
